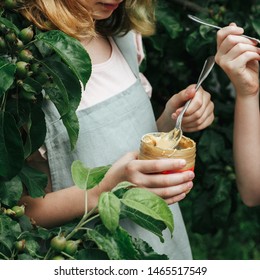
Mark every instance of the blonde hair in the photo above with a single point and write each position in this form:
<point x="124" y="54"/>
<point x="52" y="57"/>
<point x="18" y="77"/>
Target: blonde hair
<point x="75" y="19"/>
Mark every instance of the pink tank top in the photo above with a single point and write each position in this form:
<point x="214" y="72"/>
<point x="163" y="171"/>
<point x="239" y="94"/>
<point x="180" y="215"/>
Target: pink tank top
<point x="112" y="77"/>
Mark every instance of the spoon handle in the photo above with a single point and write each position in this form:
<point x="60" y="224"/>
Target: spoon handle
<point x="203" y="22"/>
<point x="218" y="27"/>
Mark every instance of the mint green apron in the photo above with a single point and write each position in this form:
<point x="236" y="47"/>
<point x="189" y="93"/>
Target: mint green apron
<point x="108" y="130"/>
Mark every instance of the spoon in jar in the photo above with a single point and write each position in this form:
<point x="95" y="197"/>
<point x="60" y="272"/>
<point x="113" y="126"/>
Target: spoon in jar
<point x="218" y="27"/>
<point x="171" y="139"/>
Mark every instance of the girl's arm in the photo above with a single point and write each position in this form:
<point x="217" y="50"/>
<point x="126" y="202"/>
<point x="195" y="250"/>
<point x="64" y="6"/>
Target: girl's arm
<point x="239" y="58"/>
<point x="62" y="206"/>
<point x="247" y="148"/>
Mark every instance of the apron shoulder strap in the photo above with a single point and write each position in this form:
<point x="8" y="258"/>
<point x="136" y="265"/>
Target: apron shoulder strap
<point x="126" y="45"/>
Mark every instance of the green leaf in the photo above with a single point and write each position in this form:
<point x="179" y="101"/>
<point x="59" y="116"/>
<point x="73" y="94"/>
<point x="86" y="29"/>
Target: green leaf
<point x="118" y="246"/>
<point x="123" y="185"/>
<point x="7" y="73"/>
<point x="211" y="146"/>
<point x="256" y="25"/>
<point x="109" y="210"/>
<point x="70" y="121"/>
<point x="69" y="81"/>
<point x="34" y="180"/>
<point x="158" y="43"/>
<point x="36" y="131"/>
<point x="210" y="172"/>
<point x="56" y="90"/>
<point x="201" y="213"/>
<point x="38" y="128"/>
<point x="169" y="22"/>
<point x="44" y="49"/>
<point x="66" y="97"/>
<point x="71" y="51"/>
<point x="146" y="251"/>
<point x="26" y="224"/>
<point x="11" y="147"/>
<point x="65" y="91"/>
<point x="196" y="45"/>
<point x="25" y="256"/>
<point x="9" y="231"/>
<point x="9" y="25"/>
<point x="11" y="191"/>
<point x="221" y="191"/>
<point x="149" y="204"/>
<point x="154" y="226"/>
<point x="23" y="111"/>
<point x="221" y="201"/>
<point x="32" y="247"/>
<point x="120" y="189"/>
<point x="31" y="85"/>
<point x="86" y="178"/>
<point x="221" y="214"/>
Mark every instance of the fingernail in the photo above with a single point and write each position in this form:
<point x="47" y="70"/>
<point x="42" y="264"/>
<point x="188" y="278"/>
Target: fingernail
<point x="191" y="175"/>
<point x="174" y="116"/>
<point x="182" y="162"/>
<point x="187" y="191"/>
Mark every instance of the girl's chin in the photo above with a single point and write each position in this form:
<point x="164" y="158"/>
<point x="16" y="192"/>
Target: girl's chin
<point x="104" y="11"/>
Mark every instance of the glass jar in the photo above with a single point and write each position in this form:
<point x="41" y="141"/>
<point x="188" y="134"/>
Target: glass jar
<point x="186" y="149"/>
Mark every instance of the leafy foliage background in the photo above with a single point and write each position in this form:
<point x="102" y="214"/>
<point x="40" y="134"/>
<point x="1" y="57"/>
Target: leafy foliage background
<point x="219" y="225"/>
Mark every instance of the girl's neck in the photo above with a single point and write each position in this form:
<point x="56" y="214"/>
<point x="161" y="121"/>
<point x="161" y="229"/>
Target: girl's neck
<point x="98" y="48"/>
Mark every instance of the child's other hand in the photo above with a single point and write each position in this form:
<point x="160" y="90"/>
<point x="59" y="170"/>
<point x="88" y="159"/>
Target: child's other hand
<point x="200" y="112"/>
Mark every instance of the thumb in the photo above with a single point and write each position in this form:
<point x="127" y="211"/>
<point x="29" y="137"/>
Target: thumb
<point x="186" y="94"/>
<point x="182" y="97"/>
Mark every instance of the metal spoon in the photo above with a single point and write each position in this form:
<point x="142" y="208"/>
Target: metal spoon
<point x="175" y="135"/>
<point x="218" y="27"/>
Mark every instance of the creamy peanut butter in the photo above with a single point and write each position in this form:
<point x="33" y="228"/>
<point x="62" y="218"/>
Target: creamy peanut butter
<point x="162" y="141"/>
<point x="157" y="146"/>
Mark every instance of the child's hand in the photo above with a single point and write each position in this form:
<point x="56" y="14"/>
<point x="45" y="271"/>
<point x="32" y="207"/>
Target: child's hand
<point x="148" y="174"/>
<point x="239" y="58"/>
<point x="200" y="112"/>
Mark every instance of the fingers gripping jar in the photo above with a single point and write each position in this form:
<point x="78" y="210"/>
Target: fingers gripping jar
<point x="150" y="149"/>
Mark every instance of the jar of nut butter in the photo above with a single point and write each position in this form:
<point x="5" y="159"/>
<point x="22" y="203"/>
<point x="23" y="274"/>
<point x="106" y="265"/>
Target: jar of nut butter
<point x="153" y="146"/>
